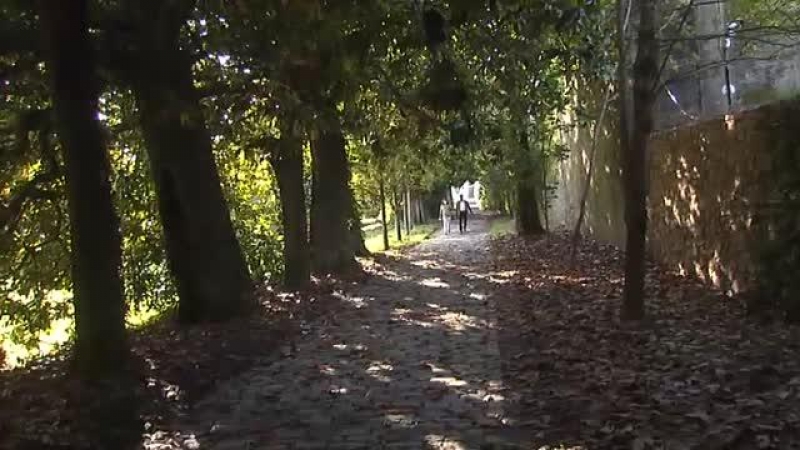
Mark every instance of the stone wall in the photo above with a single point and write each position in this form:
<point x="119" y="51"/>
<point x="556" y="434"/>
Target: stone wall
<point x="604" y="212"/>
<point x="707" y="183"/>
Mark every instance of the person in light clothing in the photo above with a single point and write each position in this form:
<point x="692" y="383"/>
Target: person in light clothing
<point x="463" y="210"/>
<point x="444" y="214"/>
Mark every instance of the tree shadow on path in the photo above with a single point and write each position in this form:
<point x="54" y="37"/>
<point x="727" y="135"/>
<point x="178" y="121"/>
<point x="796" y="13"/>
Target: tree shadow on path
<point x="410" y="361"/>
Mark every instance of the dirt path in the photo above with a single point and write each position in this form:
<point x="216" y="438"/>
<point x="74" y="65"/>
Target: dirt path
<point x="411" y="363"/>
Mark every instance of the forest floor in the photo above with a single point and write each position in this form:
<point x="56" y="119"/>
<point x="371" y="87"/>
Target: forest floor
<point x="466" y="342"/>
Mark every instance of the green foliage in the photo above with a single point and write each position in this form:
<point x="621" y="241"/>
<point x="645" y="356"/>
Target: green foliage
<point x="444" y="90"/>
<point x="35" y="267"/>
<point x="251" y="192"/>
<point x="418" y="234"/>
<point x="497" y="189"/>
<point x="502" y="227"/>
<point x="777" y="14"/>
<point x="33" y="251"/>
<point x="144" y="269"/>
<point x="415" y="117"/>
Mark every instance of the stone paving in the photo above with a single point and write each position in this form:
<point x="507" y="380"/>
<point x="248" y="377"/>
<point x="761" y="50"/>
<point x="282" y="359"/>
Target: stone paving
<point x="411" y="362"/>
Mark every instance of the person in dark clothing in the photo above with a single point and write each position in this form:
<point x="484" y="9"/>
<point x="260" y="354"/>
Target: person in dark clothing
<point x="463" y="209"/>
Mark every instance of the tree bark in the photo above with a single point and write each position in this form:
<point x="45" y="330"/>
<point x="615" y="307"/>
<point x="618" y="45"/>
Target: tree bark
<point x="545" y="209"/>
<point x="528" y="221"/>
<point x="354" y="225"/>
<point x="287" y="162"/>
<point x="205" y="258"/>
<point x="384" y="222"/>
<point x="407" y="210"/>
<point x="645" y="80"/>
<point x="398" y="224"/>
<point x="331" y="204"/>
<point x="100" y="343"/>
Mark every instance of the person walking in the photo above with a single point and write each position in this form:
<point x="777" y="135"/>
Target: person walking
<point x="444" y="213"/>
<point x="463" y="210"/>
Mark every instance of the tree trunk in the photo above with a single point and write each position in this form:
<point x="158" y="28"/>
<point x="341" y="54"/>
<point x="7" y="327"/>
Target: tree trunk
<point x="397" y="213"/>
<point x="331" y="205"/>
<point x="407" y="210"/>
<point x="288" y="165"/>
<point x="645" y="79"/>
<point x="204" y="254"/>
<point x="354" y="225"/>
<point x="95" y="242"/>
<point x="384" y="222"/>
<point x="528" y="221"/>
<point x="624" y="87"/>
<point x="545" y="206"/>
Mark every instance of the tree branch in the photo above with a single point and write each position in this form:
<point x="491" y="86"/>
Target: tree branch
<point x="709" y="66"/>
<point x="404" y="104"/>
<point x="11" y="210"/>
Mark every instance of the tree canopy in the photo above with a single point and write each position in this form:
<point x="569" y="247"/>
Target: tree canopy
<point x="234" y="130"/>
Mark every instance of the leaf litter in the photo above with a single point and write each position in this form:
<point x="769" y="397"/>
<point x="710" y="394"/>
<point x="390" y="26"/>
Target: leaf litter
<point x="44" y="406"/>
<point x="697" y="374"/>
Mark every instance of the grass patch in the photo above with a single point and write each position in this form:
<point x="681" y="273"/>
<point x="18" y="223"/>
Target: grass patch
<point x="502" y="226"/>
<point x="420" y="233"/>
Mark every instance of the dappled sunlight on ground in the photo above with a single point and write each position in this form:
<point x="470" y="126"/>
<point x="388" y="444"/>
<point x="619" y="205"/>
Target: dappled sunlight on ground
<point x="410" y="361"/>
<point x="696" y="374"/>
<point x="434" y="283"/>
<point x="465" y="344"/>
<point x="44" y="407"/>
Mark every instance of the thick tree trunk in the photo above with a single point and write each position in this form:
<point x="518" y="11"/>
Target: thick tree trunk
<point x="645" y="79"/>
<point x="384" y="222"/>
<point x="354" y="226"/>
<point x="331" y="205"/>
<point x="623" y="85"/>
<point x="204" y="254"/>
<point x="100" y="344"/>
<point x="288" y="165"/>
<point x="528" y="221"/>
<point x="527" y="196"/>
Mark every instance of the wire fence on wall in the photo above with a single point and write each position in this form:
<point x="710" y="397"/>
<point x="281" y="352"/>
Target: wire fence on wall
<point x="723" y="56"/>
